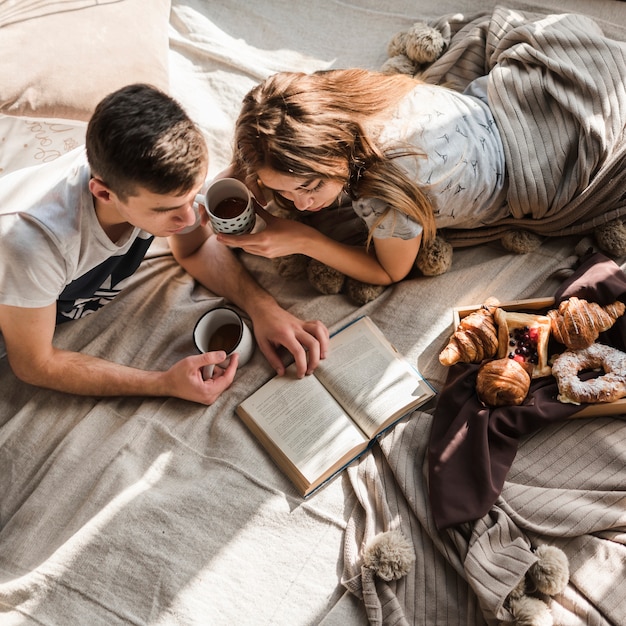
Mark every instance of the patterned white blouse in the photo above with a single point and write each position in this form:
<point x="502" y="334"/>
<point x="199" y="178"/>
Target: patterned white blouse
<point x="462" y="169"/>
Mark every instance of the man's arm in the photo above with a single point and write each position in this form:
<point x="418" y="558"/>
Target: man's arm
<point x="28" y="336"/>
<point x="218" y="269"/>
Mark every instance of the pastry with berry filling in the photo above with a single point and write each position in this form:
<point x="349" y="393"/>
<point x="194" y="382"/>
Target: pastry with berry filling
<point x="524" y="337"/>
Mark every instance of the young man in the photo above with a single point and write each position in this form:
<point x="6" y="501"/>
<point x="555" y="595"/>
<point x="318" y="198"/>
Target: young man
<point x="71" y="231"/>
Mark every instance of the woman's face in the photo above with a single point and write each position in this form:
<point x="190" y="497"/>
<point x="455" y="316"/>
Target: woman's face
<point x="307" y="194"/>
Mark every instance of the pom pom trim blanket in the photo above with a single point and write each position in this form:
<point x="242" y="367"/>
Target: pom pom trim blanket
<point x="557" y="93"/>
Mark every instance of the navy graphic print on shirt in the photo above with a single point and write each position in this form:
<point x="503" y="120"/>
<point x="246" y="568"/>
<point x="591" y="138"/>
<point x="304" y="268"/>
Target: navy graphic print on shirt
<point x="93" y="290"/>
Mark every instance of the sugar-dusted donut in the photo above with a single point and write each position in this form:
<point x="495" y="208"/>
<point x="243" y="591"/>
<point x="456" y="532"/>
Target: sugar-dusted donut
<point x="607" y="387"/>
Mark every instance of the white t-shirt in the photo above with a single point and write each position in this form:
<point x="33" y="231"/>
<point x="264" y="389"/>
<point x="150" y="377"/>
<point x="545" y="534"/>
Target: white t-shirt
<point x="463" y="168"/>
<point x="53" y="247"/>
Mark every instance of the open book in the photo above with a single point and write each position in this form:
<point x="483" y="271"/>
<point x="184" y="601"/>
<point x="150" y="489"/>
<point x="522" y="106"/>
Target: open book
<point x="314" y="426"/>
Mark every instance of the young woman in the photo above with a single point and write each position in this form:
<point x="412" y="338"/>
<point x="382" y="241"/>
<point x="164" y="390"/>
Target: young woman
<point x="411" y="157"/>
<point x="531" y="138"/>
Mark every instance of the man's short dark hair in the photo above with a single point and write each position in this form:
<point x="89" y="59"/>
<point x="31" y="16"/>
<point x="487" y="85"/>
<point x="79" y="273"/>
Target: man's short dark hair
<point x="139" y="136"/>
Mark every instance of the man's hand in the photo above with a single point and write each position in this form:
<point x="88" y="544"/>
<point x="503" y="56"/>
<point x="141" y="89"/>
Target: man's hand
<point x="307" y="341"/>
<point x="184" y="379"/>
<point x="218" y="269"/>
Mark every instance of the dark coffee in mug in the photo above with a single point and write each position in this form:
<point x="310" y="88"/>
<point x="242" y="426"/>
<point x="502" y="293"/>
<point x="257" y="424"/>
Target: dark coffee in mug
<point x="224" y="338"/>
<point x="230" y="208"/>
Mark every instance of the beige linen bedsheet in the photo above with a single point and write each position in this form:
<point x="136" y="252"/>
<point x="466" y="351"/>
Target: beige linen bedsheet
<point x="160" y="511"/>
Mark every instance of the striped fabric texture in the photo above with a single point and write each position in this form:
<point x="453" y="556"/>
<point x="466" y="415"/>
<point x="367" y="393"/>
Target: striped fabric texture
<point x="557" y="92"/>
<point x="566" y="488"/>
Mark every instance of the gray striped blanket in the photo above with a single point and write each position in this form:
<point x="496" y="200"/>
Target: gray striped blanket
<point x="565" y="488"/>
<point x="557" y="91"/>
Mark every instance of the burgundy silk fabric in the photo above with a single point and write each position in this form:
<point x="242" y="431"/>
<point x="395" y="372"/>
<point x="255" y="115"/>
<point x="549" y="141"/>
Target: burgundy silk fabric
<point x="471" y="446"/>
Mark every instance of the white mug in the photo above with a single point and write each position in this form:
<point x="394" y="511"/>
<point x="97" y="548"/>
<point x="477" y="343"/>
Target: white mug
<point x="223" y="328"/>
<point x="229" y="206"/>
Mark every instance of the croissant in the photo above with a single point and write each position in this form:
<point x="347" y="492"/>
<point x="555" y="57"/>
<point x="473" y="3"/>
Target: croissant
<point x="577" y="323"/>
<point x="474" y="339"/>
<point x="502" y="382"/>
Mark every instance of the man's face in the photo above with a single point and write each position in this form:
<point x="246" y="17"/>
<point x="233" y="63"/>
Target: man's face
<point x="160" y="215"/>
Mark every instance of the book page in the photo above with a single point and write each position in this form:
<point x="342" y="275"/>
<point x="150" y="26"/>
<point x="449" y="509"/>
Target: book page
<point x="305" y="421"/>
<point x="367" y="376"/>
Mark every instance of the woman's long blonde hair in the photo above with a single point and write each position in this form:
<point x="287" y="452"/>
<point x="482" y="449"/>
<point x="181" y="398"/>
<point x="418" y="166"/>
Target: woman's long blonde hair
<point x="310" y="125"/>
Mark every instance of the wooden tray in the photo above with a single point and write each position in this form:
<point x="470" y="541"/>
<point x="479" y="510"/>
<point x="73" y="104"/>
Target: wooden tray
<point x="533" y="305"/>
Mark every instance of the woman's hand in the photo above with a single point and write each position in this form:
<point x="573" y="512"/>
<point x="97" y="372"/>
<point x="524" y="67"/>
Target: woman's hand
<point x="388" y="261"/>
<point x="279" y="238"/>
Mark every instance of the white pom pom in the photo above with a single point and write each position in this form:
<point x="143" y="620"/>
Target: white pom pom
<point x="423" y="43"/>
<point x="531" y="612"/>
<point x="551" y="571"/>
<point x="400" y="64"/>
<point x="389" y="555"/>
<point x="434" y="258"/>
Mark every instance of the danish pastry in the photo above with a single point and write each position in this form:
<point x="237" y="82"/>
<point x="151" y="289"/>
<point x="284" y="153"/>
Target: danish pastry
<point x="524" y="337"/>
<point x="608" y="387"/>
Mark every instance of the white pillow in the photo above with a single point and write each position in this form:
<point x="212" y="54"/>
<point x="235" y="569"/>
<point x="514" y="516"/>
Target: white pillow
<point x="26" y="141"/>
<point x="59" y="59"/>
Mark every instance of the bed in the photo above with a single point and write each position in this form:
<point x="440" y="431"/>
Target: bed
<point x="160" y="511"/>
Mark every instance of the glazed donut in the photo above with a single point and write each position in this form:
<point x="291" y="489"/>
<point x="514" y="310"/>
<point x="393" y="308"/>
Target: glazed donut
<point x="607" y="387"/>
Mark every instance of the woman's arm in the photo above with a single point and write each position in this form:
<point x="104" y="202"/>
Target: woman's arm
<point x="389" y="261"/>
